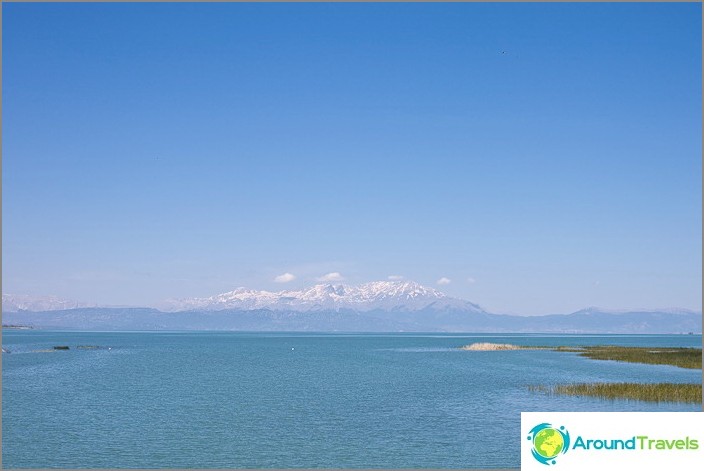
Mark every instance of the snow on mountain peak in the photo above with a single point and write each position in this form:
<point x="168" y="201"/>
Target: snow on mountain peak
<point x="401" y="289"/>
<point x="382" y="295"/>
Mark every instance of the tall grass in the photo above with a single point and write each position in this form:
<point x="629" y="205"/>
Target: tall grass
<point x="652" y="392"/>
<point x="675" y="356"/>
<point x="682" y="357"/>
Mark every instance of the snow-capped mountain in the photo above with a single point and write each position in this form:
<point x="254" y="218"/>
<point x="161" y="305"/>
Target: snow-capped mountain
<point x="24" y="302"/>
<point x="384" y="306"/>
<point x="378" y="295"/>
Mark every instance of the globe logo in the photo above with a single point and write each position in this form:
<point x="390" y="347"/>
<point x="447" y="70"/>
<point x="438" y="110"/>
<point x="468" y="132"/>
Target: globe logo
<point x="548" y="442"/>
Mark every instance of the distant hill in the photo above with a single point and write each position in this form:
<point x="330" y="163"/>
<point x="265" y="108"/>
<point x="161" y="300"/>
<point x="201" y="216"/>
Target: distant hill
<point x="23" y="302"/>
<point x="371" y="307"/>
<point x="427" y="320"/>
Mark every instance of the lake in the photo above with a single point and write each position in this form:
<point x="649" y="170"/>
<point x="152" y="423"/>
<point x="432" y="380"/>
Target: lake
<point x="284" y="400"/>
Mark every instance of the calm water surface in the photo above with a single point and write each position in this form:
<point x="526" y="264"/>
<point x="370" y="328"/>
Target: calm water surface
<point x="233" y="400"/>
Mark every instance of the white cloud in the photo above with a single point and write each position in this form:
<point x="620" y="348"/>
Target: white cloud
<point x="471" y="280"/>
<point x="285" y="278"/>
<point x="396" y="277"/>
<point x="333" y="276"/>
<point x="444" y="281"/>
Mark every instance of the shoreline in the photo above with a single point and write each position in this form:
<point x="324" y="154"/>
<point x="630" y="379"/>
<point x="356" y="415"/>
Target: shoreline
<point x="680" y="357"/>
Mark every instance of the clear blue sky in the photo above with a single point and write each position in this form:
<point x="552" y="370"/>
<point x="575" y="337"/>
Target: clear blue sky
<point x="175" y="150"/>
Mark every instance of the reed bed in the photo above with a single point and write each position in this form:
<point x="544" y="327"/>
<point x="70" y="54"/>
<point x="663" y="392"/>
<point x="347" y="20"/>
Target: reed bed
<point x="682" y="357"/>
<point x="652" y="392"/>
<point x="675" y="356"/>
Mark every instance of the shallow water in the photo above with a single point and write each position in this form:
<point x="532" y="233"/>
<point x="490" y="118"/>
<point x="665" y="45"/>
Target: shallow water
<point x="232" y="400"/>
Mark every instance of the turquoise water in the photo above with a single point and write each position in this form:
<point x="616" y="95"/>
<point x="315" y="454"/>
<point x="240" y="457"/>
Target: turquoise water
<point x="233" y="400"/>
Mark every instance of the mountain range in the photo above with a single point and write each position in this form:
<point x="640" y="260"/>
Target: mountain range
<point x="382" y="306"/>
<point x="379" y="295"/>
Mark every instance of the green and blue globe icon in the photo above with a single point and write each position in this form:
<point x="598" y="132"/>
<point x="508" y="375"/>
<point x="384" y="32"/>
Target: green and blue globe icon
<point x="549" y="442"/>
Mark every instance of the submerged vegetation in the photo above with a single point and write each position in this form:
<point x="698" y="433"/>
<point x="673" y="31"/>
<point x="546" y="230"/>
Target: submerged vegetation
<point x="652" y="392"/>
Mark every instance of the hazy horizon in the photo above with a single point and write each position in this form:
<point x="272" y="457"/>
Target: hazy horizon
<point x="530" y="158"/>
<point x="168" y="304"/>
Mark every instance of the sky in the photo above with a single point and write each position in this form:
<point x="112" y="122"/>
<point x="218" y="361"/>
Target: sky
<point x="531" y="158"/>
